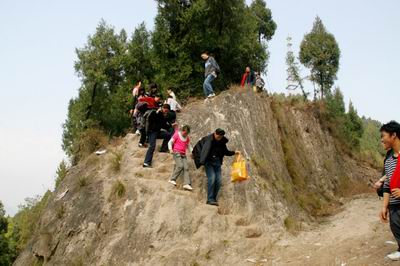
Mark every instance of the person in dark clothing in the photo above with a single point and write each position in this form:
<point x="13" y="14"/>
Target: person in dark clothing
<point x="158" y="126"/>
<point x="210" y="152"/>
<point x="390" y="134"/>
<point x="153" y="90"/>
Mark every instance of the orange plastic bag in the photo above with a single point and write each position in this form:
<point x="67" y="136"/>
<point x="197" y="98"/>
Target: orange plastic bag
<point x="239" y="169"/>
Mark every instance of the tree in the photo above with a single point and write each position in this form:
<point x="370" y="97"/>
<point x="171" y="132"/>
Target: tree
<point x="354" y="126"/>
<point x="108" y="66"/>
<point x="266" y="26"/>
<point x="293" y="71"/>
<point x="227" y="29"/>
<point x="320" y="53"/>
<point x="6" y="254"/>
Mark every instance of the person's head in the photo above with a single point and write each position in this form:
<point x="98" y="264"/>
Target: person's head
<point x="204" y="55"/>
<point x="185" y="130"/>
<point x="247" y="69"/>
<point x="142" y="92"/>
<point x="219" y="134"/>
<point x="153" y="86"/>
<point x="166" y="108"/>
<point x="169" y="91"/>
<point x="390" y="134"/>
<point x="170" y="97"/>
<point x="138" y="83"/>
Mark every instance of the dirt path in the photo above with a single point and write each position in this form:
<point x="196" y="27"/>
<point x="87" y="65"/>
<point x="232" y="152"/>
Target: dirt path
<point x="352" y="237"/>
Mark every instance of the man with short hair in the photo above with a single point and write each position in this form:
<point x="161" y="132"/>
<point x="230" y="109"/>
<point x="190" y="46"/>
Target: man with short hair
<point x="390" y="135"/>
<point x="210" y="152"/>
<point x="158" y="126"/>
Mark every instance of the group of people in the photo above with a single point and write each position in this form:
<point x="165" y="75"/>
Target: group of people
<point x="153" y="118"/>
<point x="250" y="78"/>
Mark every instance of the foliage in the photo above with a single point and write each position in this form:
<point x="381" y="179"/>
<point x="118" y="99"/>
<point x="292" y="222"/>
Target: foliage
<point x="61" y="173"/>
<point x="293" y="71"/>
<point x="320" y="53"/>
<point x="7" y="251"/>
<point x="228" y="29"/>
<point x="266" y="26"/>
<point x="26" y="221"/>
<point x="346" y="127"/>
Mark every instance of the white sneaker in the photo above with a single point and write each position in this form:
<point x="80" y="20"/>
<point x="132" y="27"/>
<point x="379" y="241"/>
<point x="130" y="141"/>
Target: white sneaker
<point x="394" y="256"/>
<point x="211" y="95"/>
<point x="188" y="187"/>
<point x="137" y="132"/>
<point x="172" y="182"/>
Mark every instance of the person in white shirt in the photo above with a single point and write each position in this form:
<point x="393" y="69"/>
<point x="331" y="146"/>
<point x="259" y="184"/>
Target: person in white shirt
<point x="175" y="106"/>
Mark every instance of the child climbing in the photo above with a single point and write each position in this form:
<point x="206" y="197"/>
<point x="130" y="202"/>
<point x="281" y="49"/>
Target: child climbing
<point x="178" y="145"/>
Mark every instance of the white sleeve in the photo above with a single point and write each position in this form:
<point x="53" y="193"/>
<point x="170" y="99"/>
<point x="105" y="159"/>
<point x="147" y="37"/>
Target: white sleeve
<point x="170" y="144"/>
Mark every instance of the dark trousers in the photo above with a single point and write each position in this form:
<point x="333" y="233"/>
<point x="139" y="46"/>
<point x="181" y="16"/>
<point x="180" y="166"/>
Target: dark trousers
<point x="214" y="179"/>
<point x="143" y="136"/>
<point x="395" y="222"/>
<point x="152" y="137"/>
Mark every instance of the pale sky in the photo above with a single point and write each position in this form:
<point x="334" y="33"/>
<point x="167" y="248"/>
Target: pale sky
<point x="37" y="79"/>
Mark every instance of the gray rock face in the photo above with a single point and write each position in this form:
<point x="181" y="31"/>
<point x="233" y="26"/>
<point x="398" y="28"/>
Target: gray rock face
<point x="295" y="167"/>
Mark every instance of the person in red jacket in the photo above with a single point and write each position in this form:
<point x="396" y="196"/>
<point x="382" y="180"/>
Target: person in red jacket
<point x="247" y="78"/>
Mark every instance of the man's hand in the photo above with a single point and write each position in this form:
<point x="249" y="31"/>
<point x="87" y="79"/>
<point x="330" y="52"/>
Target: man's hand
<point x="396" y="193"/>
<point x="384" y="215"/>
<point x="378" y="184"/>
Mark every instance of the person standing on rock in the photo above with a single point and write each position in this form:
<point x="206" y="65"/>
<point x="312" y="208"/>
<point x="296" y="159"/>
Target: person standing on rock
<point x="210" y="152"/>
<point x="248" y="78"/>
<point x="390" y="134"/>
<point x="178" y="145"/>
<point x="158" y="126"/>
<point x="210" y="73"/>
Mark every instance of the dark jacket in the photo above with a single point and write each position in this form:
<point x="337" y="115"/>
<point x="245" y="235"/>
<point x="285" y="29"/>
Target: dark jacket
<point x="158" y="121"/>
<point x="207" y="147"/>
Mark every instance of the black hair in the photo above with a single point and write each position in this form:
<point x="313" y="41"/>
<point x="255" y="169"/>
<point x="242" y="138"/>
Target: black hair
<point x="220" y="132"/>
<point x="186" y="128"/>
<point x="153" y="86"/>
<point x="391" y="128"/>
<point x="166" y="106"/>
<point x="170" y="96"/>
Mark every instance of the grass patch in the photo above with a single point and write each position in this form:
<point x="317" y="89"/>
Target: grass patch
<point x="60" y="212"/>
<point x="83" y="181"/>
<point x="118" y="190"/>
<point x="292" y="225"/>
<point x="116" y="161"/>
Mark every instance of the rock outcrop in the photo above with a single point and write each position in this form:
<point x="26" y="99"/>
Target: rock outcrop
<point x="133" y="216"/>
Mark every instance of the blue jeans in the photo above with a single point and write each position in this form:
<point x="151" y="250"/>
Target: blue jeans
<point x="207" y="87"/>
<point x="214" y="178"/>
<point x="153" y="136"/>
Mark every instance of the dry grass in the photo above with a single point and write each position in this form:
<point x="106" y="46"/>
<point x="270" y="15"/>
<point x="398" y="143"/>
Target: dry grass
<point x="116" y="160"/>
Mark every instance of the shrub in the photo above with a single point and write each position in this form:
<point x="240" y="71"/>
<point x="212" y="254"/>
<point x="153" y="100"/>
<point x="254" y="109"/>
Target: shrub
<point x="61" y="173"/>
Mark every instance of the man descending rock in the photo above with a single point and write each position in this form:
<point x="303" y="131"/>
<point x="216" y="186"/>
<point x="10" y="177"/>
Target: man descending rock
<point x="178" y="145"/>
<point x="158" y="126"/>
<point x="210" y="152"/>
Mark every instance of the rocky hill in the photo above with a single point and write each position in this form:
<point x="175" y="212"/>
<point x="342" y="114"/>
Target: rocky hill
<point x="111" y="211"/>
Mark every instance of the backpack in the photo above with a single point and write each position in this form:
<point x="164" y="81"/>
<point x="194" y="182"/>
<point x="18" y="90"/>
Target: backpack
<point x="146" y="120"/>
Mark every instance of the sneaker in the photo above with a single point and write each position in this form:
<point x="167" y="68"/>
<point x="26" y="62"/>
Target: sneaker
<point x="137" y="132"/>
<point x="394" y="256"/>
<point x="188" y="187"/>
<point x="211" y="95"/>
<point x="214" y="203"/>
<point x="142" y="145"/>
<point x="146" y="165"/>
<point x="172" y="182"/>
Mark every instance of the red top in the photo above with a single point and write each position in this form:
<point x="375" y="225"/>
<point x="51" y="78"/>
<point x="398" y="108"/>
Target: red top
<point x="151" y="103"/>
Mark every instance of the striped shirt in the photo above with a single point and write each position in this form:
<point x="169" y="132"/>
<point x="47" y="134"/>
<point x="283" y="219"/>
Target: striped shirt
<point x="390" y="166"/>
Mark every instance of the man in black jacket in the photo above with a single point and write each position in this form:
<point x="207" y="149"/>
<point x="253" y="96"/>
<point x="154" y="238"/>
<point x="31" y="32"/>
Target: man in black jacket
<point x="210" y="152"/>
<point x="159" y="126"/>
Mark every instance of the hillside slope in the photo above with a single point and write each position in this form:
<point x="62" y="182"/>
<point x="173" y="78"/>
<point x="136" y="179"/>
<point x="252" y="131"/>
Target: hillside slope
<point x="298" y="175"/>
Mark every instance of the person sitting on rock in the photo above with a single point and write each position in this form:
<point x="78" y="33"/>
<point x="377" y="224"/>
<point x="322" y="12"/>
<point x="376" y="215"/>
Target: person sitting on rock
<point x="210" y="152"/>
<point x="158" y="126"/>
<point x="178" y="145"/>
